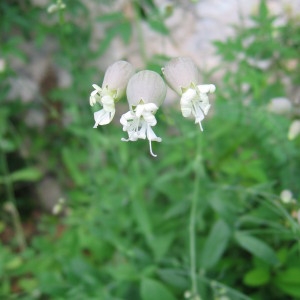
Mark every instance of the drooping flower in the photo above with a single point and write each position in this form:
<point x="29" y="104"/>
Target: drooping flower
<point x="113" y="88"/>
<point x="146" y="91"/>
<point x="182" y="75"/>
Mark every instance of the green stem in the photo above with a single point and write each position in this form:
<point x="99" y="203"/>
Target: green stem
<point x="11" y="206"/>
<point x="138" y="22"/>
<point x="192" y="227"/>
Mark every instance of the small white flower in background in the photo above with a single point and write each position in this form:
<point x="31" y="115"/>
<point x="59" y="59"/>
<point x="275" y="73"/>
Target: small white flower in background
<point x="59" y="5"/>
<point x="2" y="65"/>
<point x="286" y="196"/>
<point x="145" y="92"/>
<point x="113" y="88"/>
<point x="280" y="106"/>
<point x="59" y="206"/>
<point x="294" y="130"/>
<point x="182" y="75"/>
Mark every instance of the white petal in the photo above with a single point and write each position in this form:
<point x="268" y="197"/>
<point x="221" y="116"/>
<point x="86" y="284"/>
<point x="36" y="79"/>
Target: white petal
<point x="142" y="131"/>
<point x="186" y="102"/>
<point x="151" y="107"/>
<point x="151" y="136"/>
<point x="103" y="117"/>
<point x="149" y="118"/>
<point x="92" y="100"/>
<point x="205" y="107"/>
<point x="108" y="103"/>
<point x="139" y="110"/>
<point x="206" y="88"/>
<point x="146" y="86"/>
<point x="186" y="111"/>
<point x="97" y="88"/>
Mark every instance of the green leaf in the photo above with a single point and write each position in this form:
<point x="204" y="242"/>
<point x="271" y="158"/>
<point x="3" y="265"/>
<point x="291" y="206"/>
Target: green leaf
<point x="175" y="280"/>
<point x="289" y="281"/>
<point x="158" y="26"/>
<point x="142" y="218"/>
<point x="257" y="277"/>
<point x="68" y="158"/>
<point x="111" y="33"/>
<point x="215" y="244"/>
<point x="28" y="174"/>
<point x="154" y="290"/>
<point x="28" y="284"/>
<point x="14" y="263"/>
<point x="257" y="247"/>
<point x="161" y="244"/>
<point x="7" y="145"/>
<point x="124" y="272"/>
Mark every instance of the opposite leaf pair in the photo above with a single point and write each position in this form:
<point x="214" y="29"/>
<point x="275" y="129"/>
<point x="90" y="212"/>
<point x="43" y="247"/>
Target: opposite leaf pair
<point x="146" y="92"/>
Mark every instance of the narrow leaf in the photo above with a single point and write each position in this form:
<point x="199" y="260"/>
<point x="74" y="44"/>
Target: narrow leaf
<point x="257" y="247"/>
<point x="215" y="244"/>
<point x="154" y="290"/>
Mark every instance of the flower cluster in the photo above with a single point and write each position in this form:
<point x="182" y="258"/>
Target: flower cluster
<point x="146" y="92"/>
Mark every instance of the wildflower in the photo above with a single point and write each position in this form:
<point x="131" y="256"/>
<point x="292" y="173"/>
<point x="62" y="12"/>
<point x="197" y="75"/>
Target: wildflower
<point x="113" y="88"/>
<point x="59" y="5"/>
<point x="294" y="130"/>
<point x="58" y="207"/>
<point x="146" y="91"/>
<point x="286" y="196"/>
<point x="182" y="75"/>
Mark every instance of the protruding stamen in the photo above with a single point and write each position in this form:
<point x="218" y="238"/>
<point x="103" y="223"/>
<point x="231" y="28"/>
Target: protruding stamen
<point x="150" y="146"/>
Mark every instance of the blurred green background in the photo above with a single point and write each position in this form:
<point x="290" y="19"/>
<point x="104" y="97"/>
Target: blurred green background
<point x="85" y="216"/>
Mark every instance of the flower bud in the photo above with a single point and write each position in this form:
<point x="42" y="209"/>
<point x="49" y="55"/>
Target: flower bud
<point x="181" y="73"/>
<point x="146" y="87"/>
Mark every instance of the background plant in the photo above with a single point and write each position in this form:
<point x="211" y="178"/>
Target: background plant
<point x="123" y="228"/>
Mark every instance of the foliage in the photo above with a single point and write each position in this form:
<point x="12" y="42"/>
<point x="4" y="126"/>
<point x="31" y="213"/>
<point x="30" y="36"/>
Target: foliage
<point x="123" y="230"/>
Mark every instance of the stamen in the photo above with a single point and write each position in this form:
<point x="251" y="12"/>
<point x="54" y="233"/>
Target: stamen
<point x="150" y="146"/>
<point x="200" y="126"/>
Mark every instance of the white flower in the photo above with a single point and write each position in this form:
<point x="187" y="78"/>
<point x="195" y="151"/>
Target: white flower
<point x="280" y="106"/>
<point x="294" y="130"/>
<point x="146" y="91"/>
<point x="56" y="7"/>
<point x="286" y="196"/>
<point x="113" y="87"/>
<point x="194" y="101"/>
<point x="182" y="75"/>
